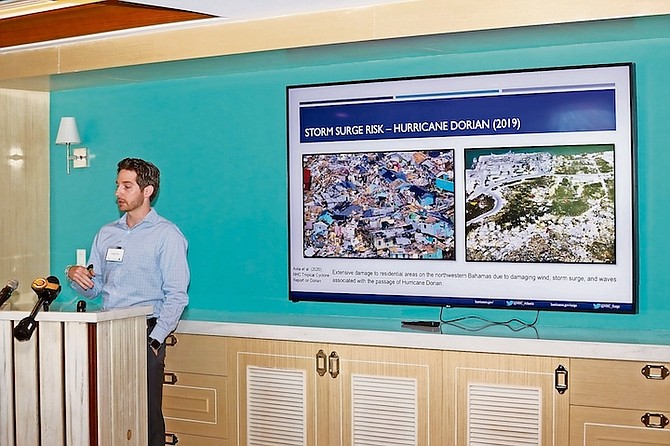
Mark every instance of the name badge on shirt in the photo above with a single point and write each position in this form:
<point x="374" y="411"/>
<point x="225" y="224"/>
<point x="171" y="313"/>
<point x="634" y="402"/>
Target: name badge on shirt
<point x="114" y="255"/>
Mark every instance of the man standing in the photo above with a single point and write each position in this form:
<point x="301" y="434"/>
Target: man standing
<point x="140" y="259"/>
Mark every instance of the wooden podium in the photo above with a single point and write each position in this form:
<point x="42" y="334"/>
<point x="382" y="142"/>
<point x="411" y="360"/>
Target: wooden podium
<point x="80" y="380"/>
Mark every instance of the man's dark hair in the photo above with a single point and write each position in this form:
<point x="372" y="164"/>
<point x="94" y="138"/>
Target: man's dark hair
<point x="147" y="173"/>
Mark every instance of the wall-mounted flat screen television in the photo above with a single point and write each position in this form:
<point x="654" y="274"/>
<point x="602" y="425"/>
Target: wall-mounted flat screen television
<point x="496" y="190"/>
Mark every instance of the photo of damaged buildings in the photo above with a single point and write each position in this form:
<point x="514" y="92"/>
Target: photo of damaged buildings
<point x="544" y="205"/>
<point x="390" y="205"/>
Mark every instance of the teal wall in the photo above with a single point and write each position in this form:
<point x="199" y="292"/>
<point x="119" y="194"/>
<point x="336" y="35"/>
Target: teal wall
<point x="220" y="142"/>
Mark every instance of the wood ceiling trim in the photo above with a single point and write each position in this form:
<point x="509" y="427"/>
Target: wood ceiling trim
<point x="86" y="19"/>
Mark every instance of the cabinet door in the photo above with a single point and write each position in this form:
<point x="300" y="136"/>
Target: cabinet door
<point x="386" y="396"/>
<point x="617" y="403"/>
<point x="309" y="394"/>
<point x="620" y="384"/>
<point x="279" y="393"/>
<point x="196" y="403"/>
<point x="505" y="399"/>
<point x="590" y="426"/>
<point x="197" y="354"/>
<point x="195" y="393"/>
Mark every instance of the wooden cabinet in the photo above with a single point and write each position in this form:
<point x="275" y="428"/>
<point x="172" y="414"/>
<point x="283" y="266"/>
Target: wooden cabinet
<point x="505" y="399"/>
<point x="242" y="391"/>
<point x="195" y="391"/>
<point x="617" y="403"/>
<point x="296" y="393"/>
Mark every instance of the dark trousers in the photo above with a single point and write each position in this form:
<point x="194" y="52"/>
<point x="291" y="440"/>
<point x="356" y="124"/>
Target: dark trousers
<point x="155" y="368"/>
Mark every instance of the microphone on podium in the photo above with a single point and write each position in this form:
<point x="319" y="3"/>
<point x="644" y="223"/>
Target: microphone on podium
<point x="47" y="290"/>
<point x="7" y="291"/>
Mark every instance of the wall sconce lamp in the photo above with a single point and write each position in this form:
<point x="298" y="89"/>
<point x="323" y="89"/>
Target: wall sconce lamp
<point x="68" y="135"/>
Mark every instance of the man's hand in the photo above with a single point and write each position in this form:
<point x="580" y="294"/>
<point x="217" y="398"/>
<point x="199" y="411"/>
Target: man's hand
<point x="154" y="345"/>
<point x="81" y="276"/>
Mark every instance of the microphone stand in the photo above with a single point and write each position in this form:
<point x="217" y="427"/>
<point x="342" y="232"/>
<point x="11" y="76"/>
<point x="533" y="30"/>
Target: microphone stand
<point x="7" y="291"/>
<point x="47" y="290"/>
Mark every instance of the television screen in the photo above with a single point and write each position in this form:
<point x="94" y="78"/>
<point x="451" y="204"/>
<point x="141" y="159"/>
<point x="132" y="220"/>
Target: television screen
<point x="497" y="190"/>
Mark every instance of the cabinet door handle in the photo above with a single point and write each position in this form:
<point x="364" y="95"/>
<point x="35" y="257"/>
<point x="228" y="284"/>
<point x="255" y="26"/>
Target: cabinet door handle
<point x="321" y="363"/>
<point x="334" y="364"/>
<point x="170" y="378"/>
<point x="654" y="420"/>
<point x="655" y="371"/>
<point x="561" y="379"/>
<point x="171" y="340"/>
<point x="171" y="439"/>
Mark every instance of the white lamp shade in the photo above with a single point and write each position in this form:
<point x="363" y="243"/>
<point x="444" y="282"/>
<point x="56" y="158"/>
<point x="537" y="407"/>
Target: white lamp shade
<point x="67" y="131"/>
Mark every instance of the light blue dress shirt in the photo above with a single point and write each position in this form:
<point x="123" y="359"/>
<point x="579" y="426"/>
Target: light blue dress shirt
<point x="153" y="269"/>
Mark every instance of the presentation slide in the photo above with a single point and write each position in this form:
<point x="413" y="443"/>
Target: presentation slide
<point x="495" y="190"/>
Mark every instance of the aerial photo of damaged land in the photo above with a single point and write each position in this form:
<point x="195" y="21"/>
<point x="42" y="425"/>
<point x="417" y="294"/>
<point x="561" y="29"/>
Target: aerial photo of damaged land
<point x="550" y="204"/>
<point x="392" y="205"/>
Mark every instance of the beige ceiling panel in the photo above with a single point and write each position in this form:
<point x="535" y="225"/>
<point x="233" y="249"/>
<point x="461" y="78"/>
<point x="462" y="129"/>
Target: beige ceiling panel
<point x="305" y="30"/>
<point x="439" y="16"/>
<point x="31" y="63"/>
<point x="219" y="39"/>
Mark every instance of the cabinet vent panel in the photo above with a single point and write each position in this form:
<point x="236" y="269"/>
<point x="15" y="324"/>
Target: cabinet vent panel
<point x="276" y="411"/>
<point x="504" y="416"/>
<point x="384" y="411"/>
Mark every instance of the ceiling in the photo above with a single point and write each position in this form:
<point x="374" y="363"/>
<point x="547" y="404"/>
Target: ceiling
<point x="24" y="22"/>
